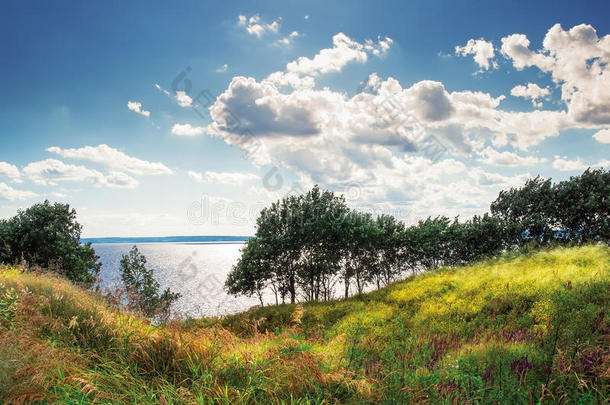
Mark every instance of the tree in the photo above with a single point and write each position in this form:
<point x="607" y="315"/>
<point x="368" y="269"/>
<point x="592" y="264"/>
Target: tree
<point x="142" y="288"/>
<point x="475" y="239"/>
<point x="581" y="206"/>
<point x="252" y="272"/>
<point x="359" y="236"/>
<point x="304" y="244"/>
<point x="428" y="244"/>
<point x="526" y="212"/>
<point x="319" y="234"/>
<point x="48" y="235"/>
<point x="389" y="250"/>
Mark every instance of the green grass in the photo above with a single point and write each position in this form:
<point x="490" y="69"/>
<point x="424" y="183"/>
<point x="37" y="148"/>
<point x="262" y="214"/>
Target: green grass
<point x="529" y="328"/>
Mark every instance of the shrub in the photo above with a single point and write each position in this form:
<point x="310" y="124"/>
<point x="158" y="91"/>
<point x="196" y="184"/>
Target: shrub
<point x="142" y="288"/>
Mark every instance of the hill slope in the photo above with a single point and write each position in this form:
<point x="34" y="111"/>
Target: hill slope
<point x="519" y="329"/>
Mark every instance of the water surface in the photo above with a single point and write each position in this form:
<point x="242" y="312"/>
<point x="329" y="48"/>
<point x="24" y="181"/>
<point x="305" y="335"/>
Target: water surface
<point x="196" y="270"/>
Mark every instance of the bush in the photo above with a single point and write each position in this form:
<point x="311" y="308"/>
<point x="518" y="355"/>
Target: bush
<point x="142" y="288"/>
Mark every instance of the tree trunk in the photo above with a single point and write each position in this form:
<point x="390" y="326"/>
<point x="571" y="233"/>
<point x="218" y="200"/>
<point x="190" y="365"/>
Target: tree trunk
<point x="292" y="290"/>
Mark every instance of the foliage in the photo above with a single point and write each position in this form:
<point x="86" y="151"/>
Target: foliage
<point x="142" y="289"/>
<point x="48" y="236"/>
<point x="311" y="243"/>
<point x="522" y="328"/>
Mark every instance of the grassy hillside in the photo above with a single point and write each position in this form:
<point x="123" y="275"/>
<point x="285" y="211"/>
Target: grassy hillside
<point x="519" y="329"/>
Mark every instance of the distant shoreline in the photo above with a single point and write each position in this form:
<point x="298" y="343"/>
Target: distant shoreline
<point x="168" y="239"/>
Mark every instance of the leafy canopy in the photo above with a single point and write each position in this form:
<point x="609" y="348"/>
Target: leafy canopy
<point x="48" y="235"/>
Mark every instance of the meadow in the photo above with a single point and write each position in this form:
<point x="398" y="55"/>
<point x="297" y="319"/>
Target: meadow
<point x="522" y="328"/>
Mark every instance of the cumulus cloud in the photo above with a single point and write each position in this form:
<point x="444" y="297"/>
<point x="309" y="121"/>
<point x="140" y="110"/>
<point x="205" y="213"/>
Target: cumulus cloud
<point x="602" y="136"/>
<point x="51" y="171"/>
<point x="113" y="159"/>
<point x="565" y="164"/>
<point x="10" y="171"/>
<point x="183" y="99"/>
<point x="516" y="47"/>
<point x="187" y="130"/>
<point x="288" y="39"/>
<point x="137" y="108"/>
<point x="578" y="61"/>
<point x="255" y="26"/>
<point x="8" y="193"/>
<point x="195" y="176"/>
<point x="378" y="138"/>
<point x="333" y="138"/>
<point x="532" y="92"/>
<point x="492" y="157"/>
<point x="482" y="51"/>
<point x="344" y="51"/>
<point x="229" y="178"/>
<point x="484" y="178"/>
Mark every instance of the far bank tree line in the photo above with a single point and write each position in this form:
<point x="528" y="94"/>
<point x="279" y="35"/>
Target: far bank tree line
<point x="305" y="245"/>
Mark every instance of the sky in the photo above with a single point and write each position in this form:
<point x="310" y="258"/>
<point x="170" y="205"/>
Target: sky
<point x="186" y="118"/>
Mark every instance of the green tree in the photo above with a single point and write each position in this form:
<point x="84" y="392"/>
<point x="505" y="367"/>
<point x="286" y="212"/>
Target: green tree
<point x="581" y="206"/>
<point x="253" y="271"/>
<point x="390" y="250"/>
<point x="428" y="244"/>
<point x="475" y="239"/>
<point x="321" y="215"/>
<point x="48" y="235"/>
<point x="142" y="289"/>
<point x="360" y="234"/>
<point x="526" y="212"/>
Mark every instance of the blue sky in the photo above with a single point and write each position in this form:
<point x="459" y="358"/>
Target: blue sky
<point x="349" y="95"/>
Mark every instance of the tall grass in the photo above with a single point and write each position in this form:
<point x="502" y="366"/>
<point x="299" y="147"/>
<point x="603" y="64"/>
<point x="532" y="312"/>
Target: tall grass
<point x="518" y="329"/>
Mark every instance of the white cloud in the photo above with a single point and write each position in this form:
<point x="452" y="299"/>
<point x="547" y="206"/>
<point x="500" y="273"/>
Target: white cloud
<point x="230" y="178"/>
<point x="198" y="177"/>
<point x="10" y="194"/>
<point x="120" y="180"/>
<point x="602" y="136"/>
<point x="306" y="16"/>
<point x="516" y="47"/>
<point x="380" y="48"/>
<point x="288" y="40"/>
<point x="334" y="136"/>
<point x="564" y="164"/>
<point x="255" y="26"/>
<point x="223" y="68"/>
<point x="373" y="82"/>
<point x="482" y="50"/>
<point x="579" y="62"/>
<point x="183" y="99"/>
<point x="344" y="51"/>
<point x="532" y="91"/>
<point x="113" y="159"/>
<point x="375" y="138"/>
<point x="494" y="158"/>
<point x="484" y="178"/>
<point x="10" y="171"/>
<point x="187" y="130"/>
<point x="137" y="108"/>
<point x="51" y="171"/>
